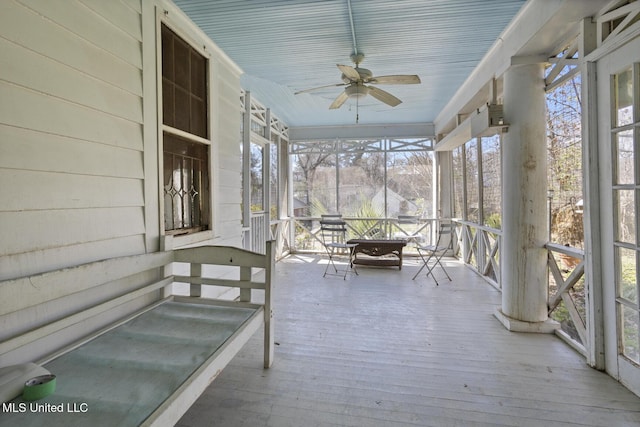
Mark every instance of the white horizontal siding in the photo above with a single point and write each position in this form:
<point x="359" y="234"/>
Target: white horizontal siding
<point x="230" y="224"/>
<point x="24" y="231"/>
<point x="230" y="183"/>
<point x="54" y="190"/>
<point x="133" y="4"/>
<point x="73" y="153"/>
<point x="230" y="191"/>
<point x="119" y="13"/>
<point x="24" y="68"/>
<point x="231" y="215"/>
<point x="230" y="166"/>
<point x="27" y="263"/>
<point x="27" y="149"/>
<point x="95" y="23"/>
<point x="230" y="131"/>
<point x="29" y="29"/>
<point x="34" y="110"/>
<point x="71" y="138"/>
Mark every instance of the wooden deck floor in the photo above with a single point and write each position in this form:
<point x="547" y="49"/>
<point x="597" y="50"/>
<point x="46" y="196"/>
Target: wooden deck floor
<point x="382" y="350"/>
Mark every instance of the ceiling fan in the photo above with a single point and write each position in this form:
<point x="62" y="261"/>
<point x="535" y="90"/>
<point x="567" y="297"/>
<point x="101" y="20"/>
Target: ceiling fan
<point x="357" y="83"/>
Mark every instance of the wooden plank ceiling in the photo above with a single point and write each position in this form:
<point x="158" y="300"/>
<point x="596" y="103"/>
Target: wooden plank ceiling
<point x="287" y="46"/>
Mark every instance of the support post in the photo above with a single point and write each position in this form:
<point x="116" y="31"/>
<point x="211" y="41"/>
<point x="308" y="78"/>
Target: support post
<point x="266" y="179"/>
<point x="246" y="171"/>
<point x="443" y="184"/>
<point x="268" y="309"/>
<point x="595" y="344"/>
<point x="195" y="289"/>
<point x="524" y="195"/>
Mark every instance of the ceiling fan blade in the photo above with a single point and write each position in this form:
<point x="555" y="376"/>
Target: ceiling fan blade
<point x="341" y="99"/>
<point x="319" y="87"/>
<point x="383" y="96"/>
<point x="350" y="72"/>
<point x="395" y="80"/>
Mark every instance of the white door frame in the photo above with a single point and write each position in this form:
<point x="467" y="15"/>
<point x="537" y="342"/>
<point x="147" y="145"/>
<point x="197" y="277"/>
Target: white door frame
<point x="609" y="64"/>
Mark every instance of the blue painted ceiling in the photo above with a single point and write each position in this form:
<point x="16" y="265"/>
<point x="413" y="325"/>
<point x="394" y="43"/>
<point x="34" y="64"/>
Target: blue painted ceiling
<point x="284" y="46"/>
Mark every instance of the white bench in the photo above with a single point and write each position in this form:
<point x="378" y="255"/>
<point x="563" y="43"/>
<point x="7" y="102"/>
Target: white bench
<point x="124" y="350"/>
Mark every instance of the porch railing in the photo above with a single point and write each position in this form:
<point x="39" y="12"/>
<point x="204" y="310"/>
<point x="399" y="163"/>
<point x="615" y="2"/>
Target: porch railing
<point x="480" y="249"/>
<point x="567" y="293"/>
<point x="255" y="237"/>
<point x="480" y="246"/>
<point x="280" y="231"/>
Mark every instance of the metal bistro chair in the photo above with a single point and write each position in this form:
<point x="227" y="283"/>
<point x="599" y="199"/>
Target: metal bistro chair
<point x="432" y="254"/>
<point x="334" y="232"/>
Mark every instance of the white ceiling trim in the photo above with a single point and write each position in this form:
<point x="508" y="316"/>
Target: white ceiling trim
<point x="315" y="133"/>
<point x="537" y="29"/>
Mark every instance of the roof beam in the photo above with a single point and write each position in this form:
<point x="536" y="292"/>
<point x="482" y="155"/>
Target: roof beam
<point x="409" y="130"/>
<point x="533" y="32"/>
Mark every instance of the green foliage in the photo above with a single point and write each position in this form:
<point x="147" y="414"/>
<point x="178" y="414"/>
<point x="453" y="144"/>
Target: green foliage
<point x="365" y="209"/>
<point x="628" y="278"/>
<point x="369" y="228"/>
<point x="561" y="314"/>
<point x="494" y="221"/>
<point x="318" y="208"/>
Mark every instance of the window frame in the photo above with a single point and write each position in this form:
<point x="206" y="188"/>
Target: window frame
<point x="205" y="230"/>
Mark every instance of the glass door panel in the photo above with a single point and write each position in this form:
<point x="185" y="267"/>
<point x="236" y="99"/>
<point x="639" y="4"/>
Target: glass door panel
<point x="623" y="97"/>
<point x="625" y="158"/>
<point x="626" y="215"/>
<point x="627" y="267"/>
<point x="625" y="186"/>
<point x="629" y="333"/>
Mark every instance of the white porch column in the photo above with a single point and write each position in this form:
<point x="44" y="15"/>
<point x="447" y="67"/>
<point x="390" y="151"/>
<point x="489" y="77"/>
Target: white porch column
<point x="443" y="185"/>
<point x="524" y="218"/>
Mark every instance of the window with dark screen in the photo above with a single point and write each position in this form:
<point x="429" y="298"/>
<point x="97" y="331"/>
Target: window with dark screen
<point x="186" y="152"/>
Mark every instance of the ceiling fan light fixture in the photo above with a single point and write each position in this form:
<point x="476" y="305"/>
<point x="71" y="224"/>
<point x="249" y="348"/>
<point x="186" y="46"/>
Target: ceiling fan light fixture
<point x="356" y="91"/>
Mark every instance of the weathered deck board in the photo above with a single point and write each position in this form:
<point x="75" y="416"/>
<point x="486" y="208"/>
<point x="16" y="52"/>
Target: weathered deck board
<point x="382" y="350"/>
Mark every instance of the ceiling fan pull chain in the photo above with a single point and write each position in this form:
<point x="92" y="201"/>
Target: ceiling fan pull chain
<point x="357" y="113"/>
